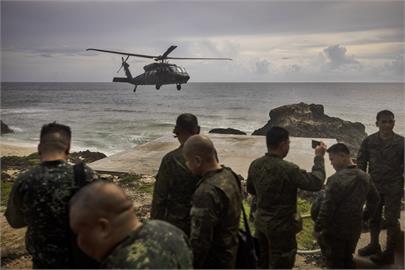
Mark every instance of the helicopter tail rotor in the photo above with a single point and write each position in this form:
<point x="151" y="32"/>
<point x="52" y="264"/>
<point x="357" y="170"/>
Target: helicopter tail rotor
<point x="124" y="62"/>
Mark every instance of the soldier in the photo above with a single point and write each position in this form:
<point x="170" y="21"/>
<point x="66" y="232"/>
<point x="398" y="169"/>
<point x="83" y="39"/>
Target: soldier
<point x="108" y="230"/>
<point x="39" y="200"/>
<point x="338" y="225"/>
<point x="382" y="153"/>
<point x="175" y="184"/>
<point x="216" y="207"/>
<point x="275" y="183"/>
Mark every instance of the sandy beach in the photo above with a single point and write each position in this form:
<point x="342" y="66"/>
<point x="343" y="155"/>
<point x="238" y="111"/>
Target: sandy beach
<point x="15" y="150"/>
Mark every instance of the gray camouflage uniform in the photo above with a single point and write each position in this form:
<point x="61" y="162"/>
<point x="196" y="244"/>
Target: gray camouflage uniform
<point x="39" y="199"/>
<point x="275" y="182"/>
<point x="385" y="164"/>
<point x="173" y="191"/>
<point x="215" y="220"/>
<point x="156" y="245"/>
<point x="340" y="215"/>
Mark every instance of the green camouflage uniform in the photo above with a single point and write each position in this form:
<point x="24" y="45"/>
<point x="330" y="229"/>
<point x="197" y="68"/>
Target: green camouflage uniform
<point x="39" y="199"/>
<point x="275" y="182"/>
<point x="385" y="163"/>
<point x="215" y="220"/>
<point x="340" y="216"/>
<point x="156" y="245"/>
<point x="173" y="191"/>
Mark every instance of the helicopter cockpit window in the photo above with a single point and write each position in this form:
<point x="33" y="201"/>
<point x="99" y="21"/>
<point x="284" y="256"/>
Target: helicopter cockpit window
<point x="179" y="70"/>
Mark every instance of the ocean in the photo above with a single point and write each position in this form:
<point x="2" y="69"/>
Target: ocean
<point x="110" y="118"/>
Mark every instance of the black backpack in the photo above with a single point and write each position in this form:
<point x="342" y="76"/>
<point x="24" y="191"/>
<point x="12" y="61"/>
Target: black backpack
<point x="78" y="259"/>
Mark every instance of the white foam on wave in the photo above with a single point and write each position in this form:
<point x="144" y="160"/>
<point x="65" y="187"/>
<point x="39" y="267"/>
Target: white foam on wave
<point x="24" y="111"/>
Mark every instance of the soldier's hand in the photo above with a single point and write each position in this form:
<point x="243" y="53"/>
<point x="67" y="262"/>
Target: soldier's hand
<point x="320" y="149"/>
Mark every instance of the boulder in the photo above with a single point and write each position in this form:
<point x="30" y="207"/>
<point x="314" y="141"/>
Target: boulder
<point x="227" y="131"/>
<point x="5" y="128"/>
<point x="309" y="120"/>
<point x="85" y="156"/>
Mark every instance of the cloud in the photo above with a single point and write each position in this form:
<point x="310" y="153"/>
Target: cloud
<point x="336" y="57"/>
<point x="396" y="66"/>
<point x="262" y="66"/>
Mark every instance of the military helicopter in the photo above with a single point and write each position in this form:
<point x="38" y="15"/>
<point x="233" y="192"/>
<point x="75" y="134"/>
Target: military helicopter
<point x="159" y="73"/>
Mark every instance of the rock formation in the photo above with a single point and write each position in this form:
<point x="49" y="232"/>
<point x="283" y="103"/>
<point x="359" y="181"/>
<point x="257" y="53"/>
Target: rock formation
<point x="227" y="131"/>
<point x="303" y="120"/>
<point x="5" y="129"/>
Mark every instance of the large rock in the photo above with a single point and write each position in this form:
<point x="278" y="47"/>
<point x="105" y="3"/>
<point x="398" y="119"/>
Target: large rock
<point x="5" y="129"/>
<point x="227" y="131"/>
<point x="303" y="120"/>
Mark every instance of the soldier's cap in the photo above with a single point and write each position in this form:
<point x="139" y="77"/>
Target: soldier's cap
<point x="187" y="122"/>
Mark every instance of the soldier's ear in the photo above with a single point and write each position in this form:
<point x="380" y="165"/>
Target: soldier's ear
<point x="198" y="160"/>
<point x="104" y="227"/>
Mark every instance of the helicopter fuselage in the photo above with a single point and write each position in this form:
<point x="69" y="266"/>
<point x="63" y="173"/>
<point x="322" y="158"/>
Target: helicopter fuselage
<point x="161" y="74"/>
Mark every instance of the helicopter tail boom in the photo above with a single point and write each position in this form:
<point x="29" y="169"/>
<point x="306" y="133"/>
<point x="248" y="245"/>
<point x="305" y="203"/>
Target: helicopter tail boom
<point x="122" y="79"/>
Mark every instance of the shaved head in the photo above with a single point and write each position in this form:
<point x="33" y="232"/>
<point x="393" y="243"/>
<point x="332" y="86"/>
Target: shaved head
<point x="100" y="199"/>
<point x="201" y="155"/>
<point x="101" y="214"/>
<point x="199" y="145"/>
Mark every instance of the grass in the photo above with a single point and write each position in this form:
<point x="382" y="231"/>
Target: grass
<point x="133" y="181"/>
<point x="5" y="191"/>
<point x="305" y="239"/>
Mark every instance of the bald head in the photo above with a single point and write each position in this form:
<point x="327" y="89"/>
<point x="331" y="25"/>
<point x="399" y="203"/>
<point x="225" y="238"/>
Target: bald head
<point x="101" y="215"/>
<point x="200" y="155"/>
<point x="100" y="200"/>
<point x="199" y="145"/>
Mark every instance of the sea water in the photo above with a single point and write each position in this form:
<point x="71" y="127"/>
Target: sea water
<point x="109" y="117"/>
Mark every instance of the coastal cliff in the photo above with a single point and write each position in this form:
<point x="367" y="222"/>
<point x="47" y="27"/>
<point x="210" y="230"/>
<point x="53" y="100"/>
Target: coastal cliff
<point x="310" y="120"/>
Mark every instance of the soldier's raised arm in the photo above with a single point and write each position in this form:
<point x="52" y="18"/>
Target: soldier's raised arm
<point x="313" y="180"/>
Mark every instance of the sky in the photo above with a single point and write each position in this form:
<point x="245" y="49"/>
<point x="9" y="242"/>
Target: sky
<point x="269" y="41"/>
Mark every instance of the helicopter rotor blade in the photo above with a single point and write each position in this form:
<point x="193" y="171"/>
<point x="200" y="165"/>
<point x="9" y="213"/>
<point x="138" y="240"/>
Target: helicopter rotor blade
<point x="123" y="61"/>
<point x="124" y="53"/>
<point x="169" y="50"/>
<point x="200" y="58"/>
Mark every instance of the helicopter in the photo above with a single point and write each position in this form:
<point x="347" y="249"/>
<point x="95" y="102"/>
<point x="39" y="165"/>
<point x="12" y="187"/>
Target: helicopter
<point x="159" y="73"/>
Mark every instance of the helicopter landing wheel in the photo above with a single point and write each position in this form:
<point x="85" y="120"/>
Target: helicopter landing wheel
<point x="157" y="87"/>
<point x="178" y="87"/>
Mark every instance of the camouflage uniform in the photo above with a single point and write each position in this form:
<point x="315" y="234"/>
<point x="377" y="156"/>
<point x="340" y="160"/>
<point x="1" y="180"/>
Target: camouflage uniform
<point x="156" y="245"/>
<point x="386" y="167"/>
<point x="340" y="216"/>
<point x="275" y="182"/>
<point x="173" y="190"/>
<point x="39" y="199"/>
<point x="215" y="220"/>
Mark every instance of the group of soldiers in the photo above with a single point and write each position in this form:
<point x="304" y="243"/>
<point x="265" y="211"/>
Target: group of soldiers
<point x="77" y="221"/>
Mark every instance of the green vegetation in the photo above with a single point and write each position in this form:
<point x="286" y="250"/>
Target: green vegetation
<point x="5" y="191"/>
<point x="19" y="162"/>
<point x="305" y="239"/>
<point x="132" y="180"/>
